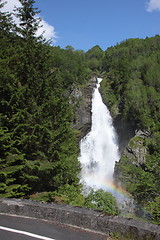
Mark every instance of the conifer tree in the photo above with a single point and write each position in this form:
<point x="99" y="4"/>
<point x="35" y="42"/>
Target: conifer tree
<point x="6" y="22"/>
<point x="38" y="146"/>
<point x="11" y="159"/>
<point x="29" y="22"/>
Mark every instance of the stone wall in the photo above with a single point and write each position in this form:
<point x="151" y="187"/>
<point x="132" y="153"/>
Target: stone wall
<point x="81" y="217"/>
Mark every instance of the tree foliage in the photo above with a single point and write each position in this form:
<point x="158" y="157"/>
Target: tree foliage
<point x="131" y="87"/>
<point x="38" y="146"/>
<point x="94" y="58"/>
<point x="103" y="201"/>
<point x="133" y="78"/>
<point x="28" y="19"/>
<point x="72" y="195"/>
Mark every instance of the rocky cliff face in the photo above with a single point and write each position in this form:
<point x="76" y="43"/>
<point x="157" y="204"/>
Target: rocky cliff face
<point x="132" y="145"/>
<point x="81" y="97"/>
<point x="136" y="150"/>
<point x="131" y="142"/>
<point x="125" y="131"/>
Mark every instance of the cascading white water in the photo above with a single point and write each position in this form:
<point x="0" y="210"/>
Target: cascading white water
<point x="99" y="149"/>
<point x="99" y="152"/>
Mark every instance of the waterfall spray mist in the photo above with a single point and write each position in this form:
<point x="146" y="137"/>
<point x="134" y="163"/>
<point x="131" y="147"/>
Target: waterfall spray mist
<point x="99" y="150"/>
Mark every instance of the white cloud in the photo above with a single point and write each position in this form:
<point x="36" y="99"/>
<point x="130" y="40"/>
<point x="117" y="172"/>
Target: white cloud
<point x="49" y="31"/>
<point x="153" y="5"/>
<point x="9" y="6"/>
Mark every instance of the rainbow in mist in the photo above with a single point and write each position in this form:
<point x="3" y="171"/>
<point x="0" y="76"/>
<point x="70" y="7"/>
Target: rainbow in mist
<point x="117" y="191"/>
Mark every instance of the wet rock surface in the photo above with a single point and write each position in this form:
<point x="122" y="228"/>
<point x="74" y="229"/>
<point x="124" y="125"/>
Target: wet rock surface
<point x="81" y="97"/>
<point x="125" y="131"/>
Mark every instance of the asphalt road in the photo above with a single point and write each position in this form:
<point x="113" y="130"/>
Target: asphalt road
<point x="22" y="228"/>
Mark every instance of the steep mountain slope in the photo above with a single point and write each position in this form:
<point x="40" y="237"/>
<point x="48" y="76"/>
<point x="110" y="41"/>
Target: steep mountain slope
<point x="131" y="89"/>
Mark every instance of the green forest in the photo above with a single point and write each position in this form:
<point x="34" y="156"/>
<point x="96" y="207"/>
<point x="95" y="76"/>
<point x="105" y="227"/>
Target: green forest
<point x="39" y="147"/>
<point x="131" y="87"/>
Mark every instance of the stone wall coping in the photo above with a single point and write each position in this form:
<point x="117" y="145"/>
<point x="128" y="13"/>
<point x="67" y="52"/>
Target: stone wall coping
<point x="81" y="217"/>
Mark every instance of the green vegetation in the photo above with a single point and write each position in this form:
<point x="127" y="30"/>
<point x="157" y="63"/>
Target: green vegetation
<point x="132" y="80"/>
<point x="126" y="236"/>
<point x="94" y="58"/>
<point x="68" y="194"/>
<point x="38" y="145"/>
<point x="38" y="149"/>
<point x="131" y="89"/>
<point x="103" y="201"/>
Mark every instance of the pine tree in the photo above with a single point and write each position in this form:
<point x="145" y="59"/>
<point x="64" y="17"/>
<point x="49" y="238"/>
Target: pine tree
<point x="29" y="22"/>
<point x="38" y="145"/>
<point x="6" y="22"/>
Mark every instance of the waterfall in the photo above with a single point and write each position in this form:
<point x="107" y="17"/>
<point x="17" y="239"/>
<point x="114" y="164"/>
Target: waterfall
<point x="99" y="148"/>
<point x="99" y="152"/>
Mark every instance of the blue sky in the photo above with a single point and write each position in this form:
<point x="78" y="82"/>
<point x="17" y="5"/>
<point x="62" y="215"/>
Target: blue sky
<point x="86" y="23"/>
